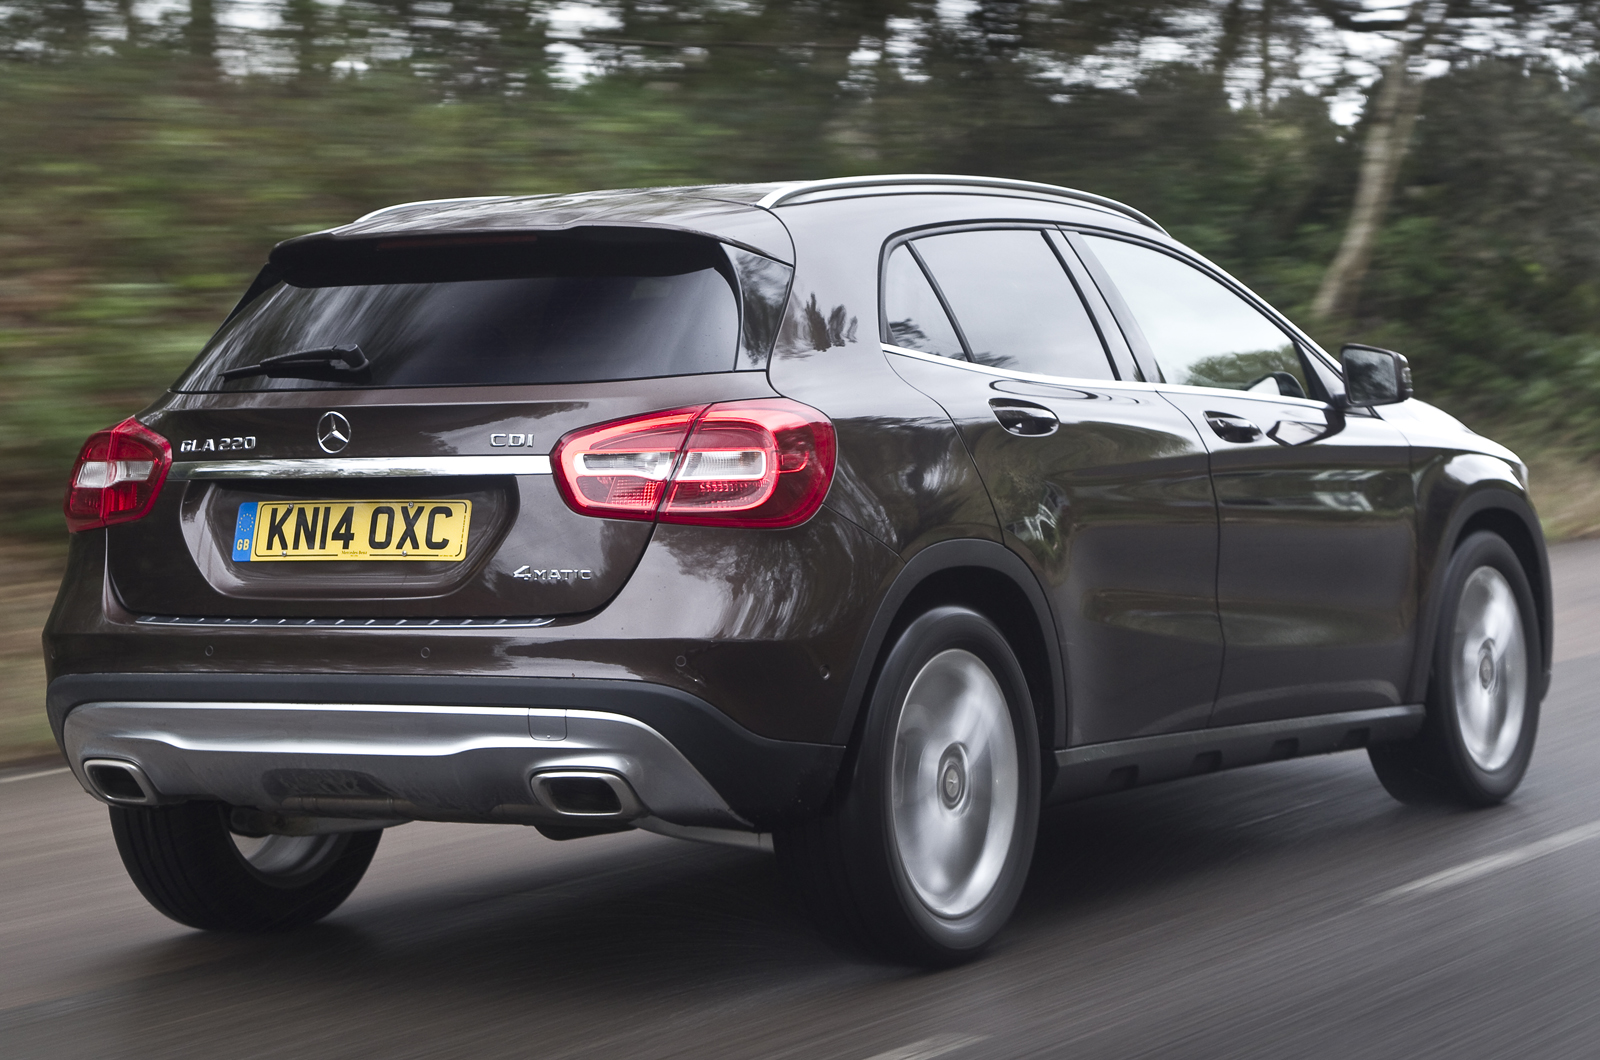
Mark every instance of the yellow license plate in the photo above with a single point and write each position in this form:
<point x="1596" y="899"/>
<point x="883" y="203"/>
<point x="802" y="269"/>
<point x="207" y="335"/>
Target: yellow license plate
<point x="328" y="530"/>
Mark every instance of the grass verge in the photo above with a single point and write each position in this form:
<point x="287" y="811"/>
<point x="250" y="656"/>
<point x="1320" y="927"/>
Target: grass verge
<point x="29" y="574"/>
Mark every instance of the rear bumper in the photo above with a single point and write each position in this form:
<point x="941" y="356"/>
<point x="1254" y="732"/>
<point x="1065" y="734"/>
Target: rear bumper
<point x="464" y="749"/>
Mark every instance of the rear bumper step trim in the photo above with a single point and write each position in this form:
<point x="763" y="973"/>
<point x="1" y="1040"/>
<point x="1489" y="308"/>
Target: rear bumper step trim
<point x="361" y="467"/>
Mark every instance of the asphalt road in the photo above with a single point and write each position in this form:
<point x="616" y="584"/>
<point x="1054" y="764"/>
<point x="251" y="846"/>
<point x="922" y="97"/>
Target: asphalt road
<point x="1284" y="911"/>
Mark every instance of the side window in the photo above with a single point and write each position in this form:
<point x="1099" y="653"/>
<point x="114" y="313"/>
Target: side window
<point x="1201" y="332"/>
<point x="1016" y="305"/>
<point x="916" y="319"/>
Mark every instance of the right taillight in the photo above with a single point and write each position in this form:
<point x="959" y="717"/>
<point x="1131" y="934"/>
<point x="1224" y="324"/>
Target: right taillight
<point x="117" y="477"/>
<point x="761" y="463"/>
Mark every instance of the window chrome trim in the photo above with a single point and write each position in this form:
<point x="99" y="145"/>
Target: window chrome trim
<point x="1032" y="377"/>
<point x="360" y="467"/>
<point x="1104" y="384"/>
<point x="1252" y="395"/>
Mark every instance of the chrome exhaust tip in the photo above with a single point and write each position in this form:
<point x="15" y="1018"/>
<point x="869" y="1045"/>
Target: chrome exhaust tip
<point x="587" y="794"/>
<point x="119" y="782"/>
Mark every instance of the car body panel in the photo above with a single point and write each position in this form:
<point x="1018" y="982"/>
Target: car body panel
<point x="1316" y="571"/>
<point x="519" y="525"/>
<point x="1114" y="513"/>
<point x="709" y="211"/>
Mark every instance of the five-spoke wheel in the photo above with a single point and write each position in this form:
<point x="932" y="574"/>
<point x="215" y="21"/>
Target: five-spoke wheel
<point x="1483" y="708"/>
<point x="923" y="856"/>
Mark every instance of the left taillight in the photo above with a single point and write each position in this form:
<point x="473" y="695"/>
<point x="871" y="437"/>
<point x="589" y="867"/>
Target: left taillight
<point x="761" y="463"/>
<point x="117" y="477"/>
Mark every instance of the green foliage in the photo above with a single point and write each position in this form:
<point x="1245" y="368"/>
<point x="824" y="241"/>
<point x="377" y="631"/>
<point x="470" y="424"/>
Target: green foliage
<point x="141" y="185"/>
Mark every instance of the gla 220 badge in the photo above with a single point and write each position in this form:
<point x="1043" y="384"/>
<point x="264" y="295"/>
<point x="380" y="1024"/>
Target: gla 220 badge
<point x="216" y="445"/>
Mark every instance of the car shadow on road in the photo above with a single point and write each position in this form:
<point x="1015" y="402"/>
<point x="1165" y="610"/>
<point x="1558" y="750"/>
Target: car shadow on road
<point x="661" y="923"/>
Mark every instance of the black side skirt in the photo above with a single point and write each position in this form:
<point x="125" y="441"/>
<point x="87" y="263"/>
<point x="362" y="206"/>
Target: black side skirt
<point x="1094" y="769"/>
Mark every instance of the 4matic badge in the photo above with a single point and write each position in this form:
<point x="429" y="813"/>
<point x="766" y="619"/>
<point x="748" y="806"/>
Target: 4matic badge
<point x="567" y="574"/>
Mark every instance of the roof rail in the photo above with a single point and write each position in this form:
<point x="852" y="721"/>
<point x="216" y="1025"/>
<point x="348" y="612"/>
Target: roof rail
<point x="803" y="187"/>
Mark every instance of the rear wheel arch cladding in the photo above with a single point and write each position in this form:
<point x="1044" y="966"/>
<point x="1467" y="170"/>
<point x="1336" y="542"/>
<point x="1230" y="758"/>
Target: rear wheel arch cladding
<point x="985" y="577"/>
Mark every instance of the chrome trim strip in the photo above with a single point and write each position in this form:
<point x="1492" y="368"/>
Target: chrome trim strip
<point x="1031" y="377"/>
<point x="388" y="761"/>
<point x="1219" y="391"/>
<point x="244" y="622"/>
<point x="788" y="192"/>
<point x="1102" y="384"/>
<point x="361" y="467"/>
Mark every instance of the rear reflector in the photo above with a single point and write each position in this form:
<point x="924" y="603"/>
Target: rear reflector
<point x="117" y="477"/>
<point x="761" y="463"/>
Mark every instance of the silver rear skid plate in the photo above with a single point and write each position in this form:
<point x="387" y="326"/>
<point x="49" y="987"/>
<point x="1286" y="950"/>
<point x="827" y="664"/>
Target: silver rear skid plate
<point x="393" y="762"/>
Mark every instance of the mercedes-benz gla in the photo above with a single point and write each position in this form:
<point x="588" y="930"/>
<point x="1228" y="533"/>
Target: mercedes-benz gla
<point x="863" y="517"/>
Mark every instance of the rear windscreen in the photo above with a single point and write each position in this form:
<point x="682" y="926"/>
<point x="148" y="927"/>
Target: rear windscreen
<point x="516" y="310"/>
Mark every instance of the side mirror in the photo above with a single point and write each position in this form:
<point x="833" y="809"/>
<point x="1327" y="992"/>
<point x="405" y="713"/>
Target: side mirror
<point x="1374" y="376"/>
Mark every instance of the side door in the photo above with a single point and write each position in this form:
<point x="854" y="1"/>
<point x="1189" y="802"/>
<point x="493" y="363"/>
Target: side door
<point x="1098" y="483"/>
<point x="1316" y="573"/>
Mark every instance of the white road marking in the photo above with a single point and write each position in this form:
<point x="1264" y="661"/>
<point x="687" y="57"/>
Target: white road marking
<point x="1468" y="871"/>
<point x="31" y="776"/>
<point x="928" y="1048"/>
<point x="1279" y="813"/>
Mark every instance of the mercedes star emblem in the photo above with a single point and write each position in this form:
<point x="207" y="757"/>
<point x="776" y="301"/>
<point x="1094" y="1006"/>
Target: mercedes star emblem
<point x="333" y="432"/>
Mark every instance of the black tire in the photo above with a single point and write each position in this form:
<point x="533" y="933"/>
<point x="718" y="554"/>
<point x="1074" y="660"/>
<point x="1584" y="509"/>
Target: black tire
<point x="184" y="860"/>
<point x="862" y="870"/>
<point x="1452" y="761"/>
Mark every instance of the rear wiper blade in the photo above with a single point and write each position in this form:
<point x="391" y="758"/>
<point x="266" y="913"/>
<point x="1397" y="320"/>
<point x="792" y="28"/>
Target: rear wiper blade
<point x="324" y="362"/>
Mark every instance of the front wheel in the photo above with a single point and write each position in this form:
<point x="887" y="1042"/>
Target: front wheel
<point x="189" y="864"/>
<point x="925" y="853"/>
<point x="1483" y="707"/>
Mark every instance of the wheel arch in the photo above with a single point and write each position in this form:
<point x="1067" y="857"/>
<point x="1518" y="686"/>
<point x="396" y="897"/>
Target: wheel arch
<point x="1512" y="518"/>
<point x="992" y="580"/>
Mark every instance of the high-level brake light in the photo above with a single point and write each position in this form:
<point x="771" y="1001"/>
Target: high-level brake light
<point x="117" y="477"/>
<point x="760" y="463"/>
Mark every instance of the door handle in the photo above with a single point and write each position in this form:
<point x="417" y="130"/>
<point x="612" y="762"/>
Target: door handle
<point x="1231" y="428"/>
<point x="1024" y="418"/>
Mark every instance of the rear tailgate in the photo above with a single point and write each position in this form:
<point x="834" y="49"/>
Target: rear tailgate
<point x="480" y="452"/>
<point x="368" y="435"/>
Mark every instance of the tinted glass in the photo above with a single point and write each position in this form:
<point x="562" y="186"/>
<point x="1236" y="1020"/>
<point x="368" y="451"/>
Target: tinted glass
<point x="1201" y="332"/>
<point x="763" y="288"/>
<point x="1015" y="303"/>
<point x="916" y="319"/>
<point x="677" y="315"/>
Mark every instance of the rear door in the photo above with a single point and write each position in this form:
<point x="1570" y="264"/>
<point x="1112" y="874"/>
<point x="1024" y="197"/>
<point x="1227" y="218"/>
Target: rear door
<point x="1316" y="574"/>
<point x="1098" y="483"/>
<point x="408" y="475"/>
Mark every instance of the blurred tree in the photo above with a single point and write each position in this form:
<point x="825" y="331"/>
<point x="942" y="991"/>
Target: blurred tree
<point x="136" y="198"/>
<point x="200" y="35"/>
<point x="132" y="26"/>
<point x="1453" y="31"/>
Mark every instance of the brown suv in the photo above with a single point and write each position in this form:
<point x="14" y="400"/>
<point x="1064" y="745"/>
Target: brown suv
<point x="869" y="515"/>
